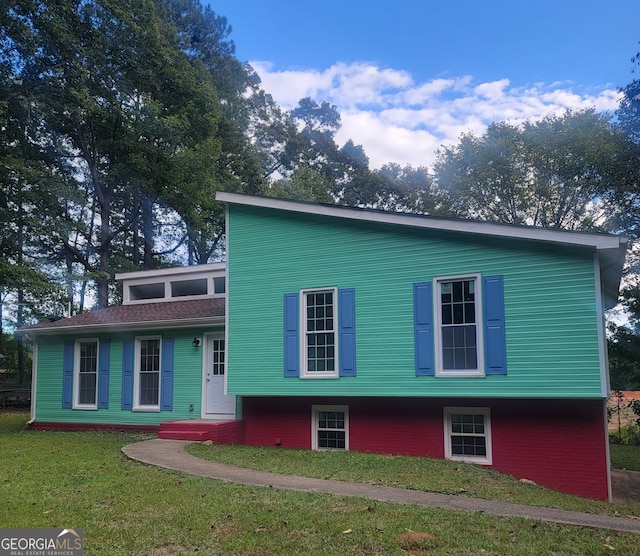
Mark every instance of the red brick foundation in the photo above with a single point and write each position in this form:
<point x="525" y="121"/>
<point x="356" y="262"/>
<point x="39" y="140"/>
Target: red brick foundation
<point x="560" y="444"/>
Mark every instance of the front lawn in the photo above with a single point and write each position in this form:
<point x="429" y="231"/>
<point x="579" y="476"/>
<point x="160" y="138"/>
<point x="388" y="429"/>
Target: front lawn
<point x="418" y="473"/>
<point x="82" y="480"/>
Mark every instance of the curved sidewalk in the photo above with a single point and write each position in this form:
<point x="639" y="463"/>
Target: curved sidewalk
<point x="171" y="454"/>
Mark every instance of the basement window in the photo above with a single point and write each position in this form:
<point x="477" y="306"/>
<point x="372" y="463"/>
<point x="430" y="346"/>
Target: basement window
<point x="330" y="428"/>
<point x="467" y="434"/>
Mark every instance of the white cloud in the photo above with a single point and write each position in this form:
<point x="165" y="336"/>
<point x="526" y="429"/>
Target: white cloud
<point x="398" y="120"/>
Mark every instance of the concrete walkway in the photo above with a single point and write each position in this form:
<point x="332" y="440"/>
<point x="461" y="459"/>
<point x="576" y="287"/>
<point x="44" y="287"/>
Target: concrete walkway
<point x="171" y="454"/>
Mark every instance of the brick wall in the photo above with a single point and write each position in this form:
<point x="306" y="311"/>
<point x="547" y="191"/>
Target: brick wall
<point x="560" y="444"/>
<point x="229" y="432"/>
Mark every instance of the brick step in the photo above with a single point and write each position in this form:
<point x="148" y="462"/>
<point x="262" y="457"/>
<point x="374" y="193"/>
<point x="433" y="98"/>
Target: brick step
<point x="187" y="426"/>
<point x="224" y="432"/>
<point x="194" y="435"/>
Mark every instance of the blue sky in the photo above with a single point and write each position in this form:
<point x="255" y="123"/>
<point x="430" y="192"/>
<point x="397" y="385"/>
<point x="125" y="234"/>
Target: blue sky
<point x="411" y="75"/>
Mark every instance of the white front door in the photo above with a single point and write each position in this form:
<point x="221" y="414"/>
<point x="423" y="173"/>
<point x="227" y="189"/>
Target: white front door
<point x="217" y="403"/>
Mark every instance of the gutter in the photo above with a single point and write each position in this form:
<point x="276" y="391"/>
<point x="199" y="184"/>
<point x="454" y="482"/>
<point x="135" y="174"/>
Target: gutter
<point x="122" y="326"/>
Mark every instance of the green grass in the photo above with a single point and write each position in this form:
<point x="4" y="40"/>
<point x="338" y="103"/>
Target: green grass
<point x="82" y="480"/>
<point x="418" y="473"/>
<point x="625" y="457"/>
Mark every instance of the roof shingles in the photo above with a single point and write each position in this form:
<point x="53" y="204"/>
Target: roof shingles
<point x="169" y="311"/>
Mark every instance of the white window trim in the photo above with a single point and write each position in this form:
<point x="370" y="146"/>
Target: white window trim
<point x="136" y="375"/>
<point x="479" y="372"/>
<point x="76" y="373"/>
<point x="305" y="373"/>
<point x="486" y="413"/>
<point x="315" y="410"/>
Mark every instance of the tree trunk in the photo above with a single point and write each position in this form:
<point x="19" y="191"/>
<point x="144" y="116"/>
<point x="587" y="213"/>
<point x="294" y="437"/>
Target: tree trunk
<point x="147" y="229"/>
<point x="102" y="282"/>
<point x="21" y="370"/>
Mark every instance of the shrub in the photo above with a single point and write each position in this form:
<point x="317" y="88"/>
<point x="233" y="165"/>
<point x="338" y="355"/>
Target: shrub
<point x="628" y="435"/>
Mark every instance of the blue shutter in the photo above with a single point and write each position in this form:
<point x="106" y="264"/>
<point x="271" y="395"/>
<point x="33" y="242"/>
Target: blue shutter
<point x="166" y="376"/>
<point x="291" y="335"/>
<point x="127" y="374"/>
<point x="104" y="357"/>
<point x="423" y="328"/>
<point x="347" y="330"/>
<point x="495" y="345"/>
<point x="67" y="375"/>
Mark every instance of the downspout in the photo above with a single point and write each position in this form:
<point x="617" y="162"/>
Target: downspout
<point x="34" y="378"/>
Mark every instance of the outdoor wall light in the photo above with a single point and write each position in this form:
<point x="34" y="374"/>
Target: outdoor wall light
<point x="196" y="342"/>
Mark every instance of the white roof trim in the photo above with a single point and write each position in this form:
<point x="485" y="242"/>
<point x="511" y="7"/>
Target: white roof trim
<point x="586" y="239"/>
<point x="173" y="271"/>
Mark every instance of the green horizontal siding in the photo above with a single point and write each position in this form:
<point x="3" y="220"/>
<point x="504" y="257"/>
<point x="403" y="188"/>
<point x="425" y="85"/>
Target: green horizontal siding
<point x="550" y="309"/>
<point x="187" y="388"/>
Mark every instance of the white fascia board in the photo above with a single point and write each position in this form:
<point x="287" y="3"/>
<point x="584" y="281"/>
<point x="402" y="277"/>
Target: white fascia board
<point x="123" y="327"/>
<point x="172" y="271"/>
<point x="509" y="231"/>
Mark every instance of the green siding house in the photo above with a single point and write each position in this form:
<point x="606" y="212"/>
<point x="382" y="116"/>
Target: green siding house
<point x="337" y="328"/>
<point x="367" y="330"/>
<point x="158" y="357"/>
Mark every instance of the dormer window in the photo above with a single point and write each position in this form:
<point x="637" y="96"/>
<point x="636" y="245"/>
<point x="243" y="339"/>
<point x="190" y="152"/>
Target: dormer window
<point x="183" y="288"/>
<point x="146" y="291"/>
<point x="220" y="284"/>
<point x="174" y="284"/>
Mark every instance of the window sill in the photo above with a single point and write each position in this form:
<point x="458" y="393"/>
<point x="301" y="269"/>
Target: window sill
<point x="477" y="461"/>
<point x="460" y="374"/>
<point x="86" y="407"/>
<point x="147" y="409"/>
<point x="317" y="376"/>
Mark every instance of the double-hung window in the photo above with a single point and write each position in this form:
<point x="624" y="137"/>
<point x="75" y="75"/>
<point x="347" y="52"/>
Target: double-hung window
<point x="147" y="378"/>
<point x="147" y="374"/>
<point x="458" y="331"/>
<point x="330" y="428"/>
<point x="459" y="326"/>
<point x="86" y="374"/>
<point x="319" y="325"/>
<point x="320" y="333"/>
<point x="467" y="434"/>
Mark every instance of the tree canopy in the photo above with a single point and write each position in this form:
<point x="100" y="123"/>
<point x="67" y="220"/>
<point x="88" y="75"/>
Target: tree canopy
<point x="554" y="173"/>
<point x="624" y="332"/>
<point x="128" y="121"/>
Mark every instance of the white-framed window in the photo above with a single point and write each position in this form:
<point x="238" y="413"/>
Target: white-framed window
<point x="467" y="434"/>
<point x="146" y="384"/>
<point x="85" y="380"/>
<point x="217" y="357"/>
<point x="330" y="427"/>
<point x="458" y="331"/>
<point x="319" y="334"/>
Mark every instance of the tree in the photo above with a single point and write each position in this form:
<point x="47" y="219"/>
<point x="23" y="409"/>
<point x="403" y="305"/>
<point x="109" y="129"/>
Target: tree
<point x="312" y="152"/>
<point x="128" y="120"/>
<point x="552" y="173"/>
<point x="305" y="184"/>
<point x="624" y="336"/>
<point x="203" y="37"/>
<point x="411" y="189"/>
<point x="26" y="184"/>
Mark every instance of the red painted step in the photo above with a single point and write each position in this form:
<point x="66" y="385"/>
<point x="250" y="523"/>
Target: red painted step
<point x="224" y="432"/>
<point x="197" y="436"/>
